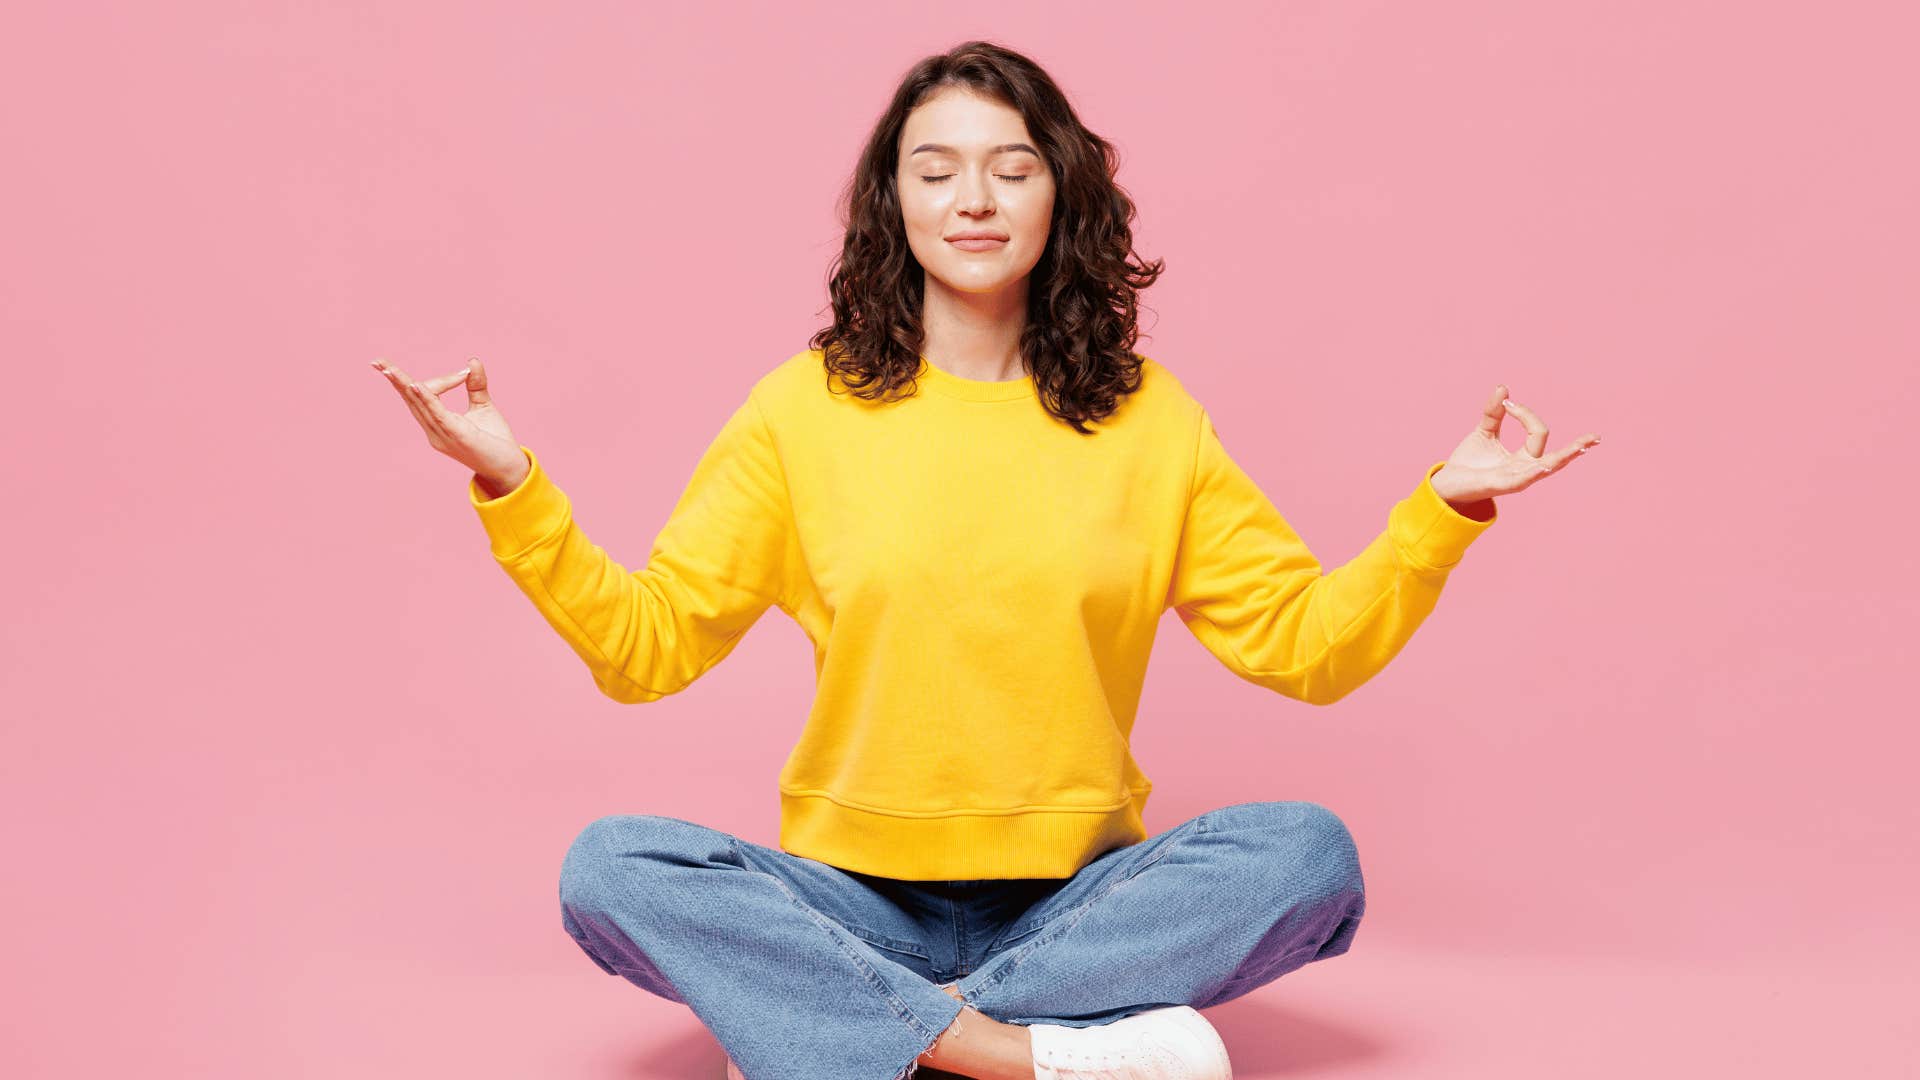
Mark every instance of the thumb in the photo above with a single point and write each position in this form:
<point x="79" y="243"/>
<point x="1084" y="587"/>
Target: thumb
<point x="477" y="382"/>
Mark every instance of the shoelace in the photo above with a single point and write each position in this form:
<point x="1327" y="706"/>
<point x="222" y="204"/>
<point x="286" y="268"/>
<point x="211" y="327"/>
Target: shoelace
<point x="1096" y="1065"/>
<point x="1083" y="1066"/>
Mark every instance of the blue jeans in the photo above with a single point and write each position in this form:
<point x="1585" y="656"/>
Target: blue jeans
<point x="805" y="970"/>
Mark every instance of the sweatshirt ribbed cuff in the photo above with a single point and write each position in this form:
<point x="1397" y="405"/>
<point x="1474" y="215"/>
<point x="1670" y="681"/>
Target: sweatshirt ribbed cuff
<point x="524" y="516"/>
<point x="1430" y="531"/>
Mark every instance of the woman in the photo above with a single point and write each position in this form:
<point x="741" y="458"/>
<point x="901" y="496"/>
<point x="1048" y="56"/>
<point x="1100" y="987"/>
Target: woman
<point x="977" y="500"/>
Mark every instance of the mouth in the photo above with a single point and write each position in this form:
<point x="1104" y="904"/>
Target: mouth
<point x="977" y="243"/>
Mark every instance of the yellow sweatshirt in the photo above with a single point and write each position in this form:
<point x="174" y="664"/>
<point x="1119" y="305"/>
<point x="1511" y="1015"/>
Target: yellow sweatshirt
<point x="981" y="585"/>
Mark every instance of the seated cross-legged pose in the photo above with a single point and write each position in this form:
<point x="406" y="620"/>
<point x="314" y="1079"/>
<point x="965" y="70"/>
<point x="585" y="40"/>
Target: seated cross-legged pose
<point x="978" y="500"/>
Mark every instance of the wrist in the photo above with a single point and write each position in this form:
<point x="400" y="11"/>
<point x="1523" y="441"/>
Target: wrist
<point x="494" y="487"/>
<point x="1480" y="509"/>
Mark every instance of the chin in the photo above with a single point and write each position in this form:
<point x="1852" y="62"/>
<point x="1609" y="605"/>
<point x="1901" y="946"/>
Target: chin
<point x="979" y="285"/>
<point x="974" y="288"/>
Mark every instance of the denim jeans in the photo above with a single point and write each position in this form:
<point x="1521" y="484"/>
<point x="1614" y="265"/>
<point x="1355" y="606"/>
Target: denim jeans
<point x="803" y="970"/>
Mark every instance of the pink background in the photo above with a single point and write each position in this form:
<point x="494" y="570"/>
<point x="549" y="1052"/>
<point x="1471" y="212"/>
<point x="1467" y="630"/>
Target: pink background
<point x="290" y="766"/>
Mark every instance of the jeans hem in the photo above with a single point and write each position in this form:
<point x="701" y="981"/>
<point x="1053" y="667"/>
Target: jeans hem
<point x="913" y="1064"/>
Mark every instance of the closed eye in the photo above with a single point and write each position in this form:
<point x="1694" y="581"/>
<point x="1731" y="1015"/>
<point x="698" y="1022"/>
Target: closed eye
<point x="949" y="176"/>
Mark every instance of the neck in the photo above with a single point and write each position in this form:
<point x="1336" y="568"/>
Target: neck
<point x="974" y="335"/>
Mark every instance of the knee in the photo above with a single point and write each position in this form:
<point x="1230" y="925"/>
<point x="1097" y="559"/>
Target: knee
<point x="610" y="851"/>
<point x="1330" y="847"/>
<point x="584" y="871"/>
<point x="1314" y="847"/>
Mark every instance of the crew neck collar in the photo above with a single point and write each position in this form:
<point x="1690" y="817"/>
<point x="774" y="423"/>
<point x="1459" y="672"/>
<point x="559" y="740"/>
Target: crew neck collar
<point x="946" y="382"/>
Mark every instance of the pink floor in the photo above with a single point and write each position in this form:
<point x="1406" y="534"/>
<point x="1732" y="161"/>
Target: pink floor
<point x="1377" y="1012"/>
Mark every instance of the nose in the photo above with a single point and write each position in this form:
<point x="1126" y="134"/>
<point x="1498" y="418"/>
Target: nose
<point x="975" y="195"/>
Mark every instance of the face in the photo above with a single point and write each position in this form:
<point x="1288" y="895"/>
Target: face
<point x="969" y="165"/>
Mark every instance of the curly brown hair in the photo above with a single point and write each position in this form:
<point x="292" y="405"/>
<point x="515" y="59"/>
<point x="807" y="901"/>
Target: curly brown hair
<point x="1082" y="302"/>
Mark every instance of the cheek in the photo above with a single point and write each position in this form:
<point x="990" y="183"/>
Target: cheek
<point x="921" y="210"/>
<point x="1036" y="218"/>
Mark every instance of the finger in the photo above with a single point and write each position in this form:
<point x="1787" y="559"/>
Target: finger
<point x="441" y="417"/>
<point x="1583" y="444"/>
<point x="1536" y="427"/>
<point x="400" y="384"/>
<point x="477" y="383"/>
<point x="417" y="399"/>
<point x="440" y="384"/>
<point x="393" y="371"/>
<point x="1559" y="458"/>
<point x="1577" y="448"/>
<point x="1491" y="416"/>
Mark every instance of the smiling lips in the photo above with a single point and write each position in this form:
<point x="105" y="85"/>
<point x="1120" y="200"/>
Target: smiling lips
<point x="977" y="240"/>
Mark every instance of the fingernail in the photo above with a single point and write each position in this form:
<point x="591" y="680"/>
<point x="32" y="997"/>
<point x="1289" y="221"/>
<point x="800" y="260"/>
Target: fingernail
<point x="1507" y="402"/>
<point x="466" y="371"/>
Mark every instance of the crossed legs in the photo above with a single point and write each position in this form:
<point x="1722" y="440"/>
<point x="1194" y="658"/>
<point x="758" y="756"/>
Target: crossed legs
<point x="981" y="1047"/>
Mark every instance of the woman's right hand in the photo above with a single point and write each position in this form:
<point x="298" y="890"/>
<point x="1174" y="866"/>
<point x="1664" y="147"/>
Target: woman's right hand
<point x="478" y="438"/>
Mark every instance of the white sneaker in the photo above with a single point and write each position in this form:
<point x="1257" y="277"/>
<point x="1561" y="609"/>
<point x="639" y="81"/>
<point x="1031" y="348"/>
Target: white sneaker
<point x="1174" y="1043"/>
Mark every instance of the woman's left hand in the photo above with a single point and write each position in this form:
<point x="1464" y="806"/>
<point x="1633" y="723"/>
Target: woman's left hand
<point x="1481" y="467"/>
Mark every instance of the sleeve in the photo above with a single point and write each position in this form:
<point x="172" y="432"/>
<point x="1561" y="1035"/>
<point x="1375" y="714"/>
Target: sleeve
<point x="726" y="553"/>
<point x="1252" y="593"/>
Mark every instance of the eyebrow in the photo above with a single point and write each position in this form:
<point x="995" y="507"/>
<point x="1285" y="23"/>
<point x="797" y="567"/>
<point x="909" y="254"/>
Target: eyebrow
<point x="1003" y="148"/>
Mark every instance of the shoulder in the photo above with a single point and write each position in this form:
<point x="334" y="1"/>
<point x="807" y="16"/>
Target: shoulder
<point x="778" y="390"/>
<point x="1162" y="394"/>
<point x="1157" y="380"/>
<point x="791" y="382"/>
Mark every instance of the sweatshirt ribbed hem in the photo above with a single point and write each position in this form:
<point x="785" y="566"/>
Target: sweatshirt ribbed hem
<point x="1429" y="530"/>
<point x="960" y="847"/>
<point x="524" y="516"/>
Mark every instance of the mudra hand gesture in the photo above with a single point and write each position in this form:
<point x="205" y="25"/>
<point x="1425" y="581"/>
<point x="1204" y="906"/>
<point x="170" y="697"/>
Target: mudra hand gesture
<point x="1481" y="467"/>
<point x="478" y="438"/>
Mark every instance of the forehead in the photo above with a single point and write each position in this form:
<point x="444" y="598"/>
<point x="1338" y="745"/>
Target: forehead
<point x="965" y="121"/>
